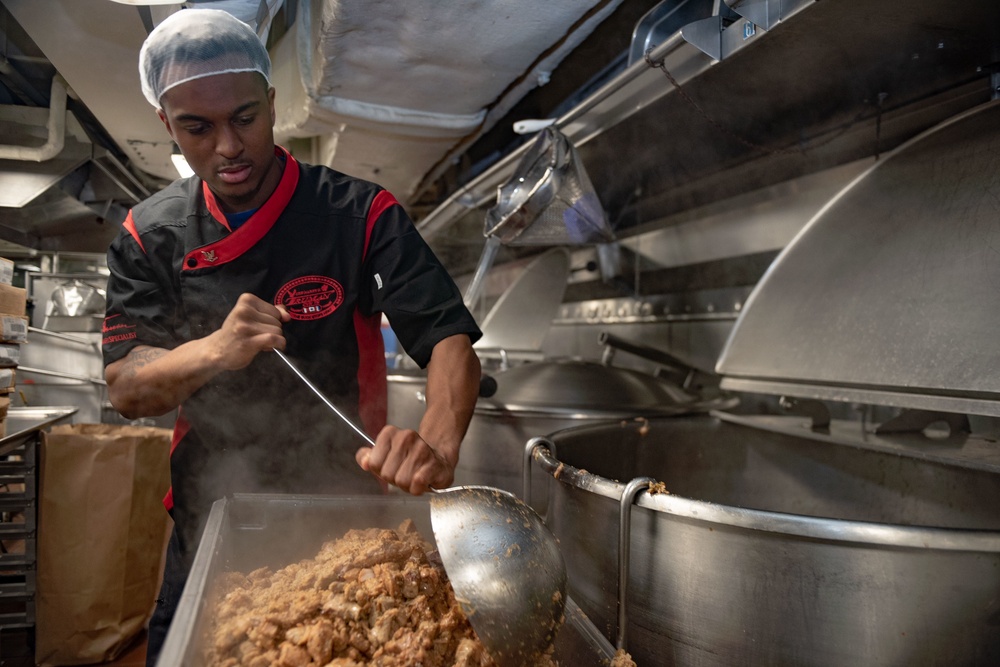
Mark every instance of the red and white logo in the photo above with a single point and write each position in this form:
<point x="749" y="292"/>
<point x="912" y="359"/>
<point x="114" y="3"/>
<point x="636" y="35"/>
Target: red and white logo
<point x="125" y="330"/>
<point x="310" y="297"/>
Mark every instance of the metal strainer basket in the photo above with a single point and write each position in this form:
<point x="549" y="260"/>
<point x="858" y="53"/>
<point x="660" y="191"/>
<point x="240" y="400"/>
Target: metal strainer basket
<point x="549" y="200"/>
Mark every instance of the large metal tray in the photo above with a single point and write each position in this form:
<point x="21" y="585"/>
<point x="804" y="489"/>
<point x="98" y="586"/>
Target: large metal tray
<point x="247" y="531"/>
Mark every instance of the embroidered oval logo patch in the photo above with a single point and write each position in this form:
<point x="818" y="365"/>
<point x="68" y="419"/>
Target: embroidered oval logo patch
<point x="310" y="297"/>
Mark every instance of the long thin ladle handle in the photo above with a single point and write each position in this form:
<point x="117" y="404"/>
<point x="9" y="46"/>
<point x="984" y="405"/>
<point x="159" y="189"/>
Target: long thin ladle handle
<point x="336" y="410"/>
<point x="330" y="405"/>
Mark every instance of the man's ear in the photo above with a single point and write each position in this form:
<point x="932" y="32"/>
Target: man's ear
<point x="270" y="103"/>
<point x="166" y="122"/>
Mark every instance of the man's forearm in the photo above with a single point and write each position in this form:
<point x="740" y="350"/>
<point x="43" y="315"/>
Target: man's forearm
<point x="452" y="388"/>
<point x="152" y="381"/>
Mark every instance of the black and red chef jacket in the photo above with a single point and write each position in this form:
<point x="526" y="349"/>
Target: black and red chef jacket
<point x="337" y="252"/>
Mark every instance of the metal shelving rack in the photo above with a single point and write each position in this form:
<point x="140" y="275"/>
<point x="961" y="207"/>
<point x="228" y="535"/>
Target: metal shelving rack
<point x="19" y="457"/>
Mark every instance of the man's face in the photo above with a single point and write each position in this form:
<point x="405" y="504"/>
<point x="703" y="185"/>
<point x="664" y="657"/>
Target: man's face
<point x="223" y="125"/>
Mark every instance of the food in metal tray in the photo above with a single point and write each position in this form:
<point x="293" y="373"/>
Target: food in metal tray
<point x="372" y="597"/>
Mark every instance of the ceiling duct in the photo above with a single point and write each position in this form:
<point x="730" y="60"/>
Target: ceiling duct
<point x="394" y="89"/>
<point x="27" y="171"/>
<point x="56" y="130"/>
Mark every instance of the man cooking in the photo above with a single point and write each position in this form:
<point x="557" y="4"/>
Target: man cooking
<point x="258" y="252"/>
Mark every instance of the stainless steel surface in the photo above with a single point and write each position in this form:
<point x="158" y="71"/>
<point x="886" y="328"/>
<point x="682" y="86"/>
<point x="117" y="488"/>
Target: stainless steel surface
<point x="636" y="87"/>
<point x="549" y="199"/>
<point x="474" y="291"/>
<point x="669" y="365"/>
<point x="883" y="292"/>
<point x="63" y="370"/>
<point x="782" y="545"/>
<point x="26" y="422"/>
<point x="530" y="189"/>
<point x="503" y="562"/>
<point x="246" y="532"/>
<point x="762" y="116"/>
<point x="521" y="317"/>
<point x="69" y="337"/>
<point x="541" y="398"/>
<point x="767" y="13"/>
<point x="662" y="21"/>
<point x="62" y="375"/>
<point x="583" y="389"/>
<point x="629" y="494"/>
<point x="506" y="569"/>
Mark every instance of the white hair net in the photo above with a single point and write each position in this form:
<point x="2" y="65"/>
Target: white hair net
<point x="195" y="43"/>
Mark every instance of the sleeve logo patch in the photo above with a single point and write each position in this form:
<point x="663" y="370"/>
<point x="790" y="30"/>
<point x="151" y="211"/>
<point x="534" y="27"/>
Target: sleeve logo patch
<point x="310" y="297"/>
<point x="116" y="331"/>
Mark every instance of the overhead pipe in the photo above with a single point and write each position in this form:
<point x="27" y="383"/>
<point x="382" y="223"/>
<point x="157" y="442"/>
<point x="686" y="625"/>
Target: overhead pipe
<point x="56" y="126"/>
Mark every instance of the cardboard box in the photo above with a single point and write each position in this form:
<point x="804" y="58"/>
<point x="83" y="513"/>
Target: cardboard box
<point x="8" y="376"/>
<point x="10" y="354"/>
<point x="13" y="300"/>
<point x="13" y="328"/>
<point x="6" y="271"/>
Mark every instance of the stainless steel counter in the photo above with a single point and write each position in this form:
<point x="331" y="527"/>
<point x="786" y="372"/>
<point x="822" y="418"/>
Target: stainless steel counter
<point x="23" y="423"/>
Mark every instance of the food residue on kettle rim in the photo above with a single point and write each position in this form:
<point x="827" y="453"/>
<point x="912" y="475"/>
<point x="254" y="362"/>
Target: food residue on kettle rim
<point x="622" y="659"/>
<point x="658" y="487"/>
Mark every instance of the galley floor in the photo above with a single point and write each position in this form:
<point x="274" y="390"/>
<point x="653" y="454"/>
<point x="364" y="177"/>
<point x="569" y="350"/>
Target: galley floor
<point x="15" y="652"/>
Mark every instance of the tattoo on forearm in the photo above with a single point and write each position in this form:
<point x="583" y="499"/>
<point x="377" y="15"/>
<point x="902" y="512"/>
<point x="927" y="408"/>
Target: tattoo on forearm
<point x="139" y="357"/>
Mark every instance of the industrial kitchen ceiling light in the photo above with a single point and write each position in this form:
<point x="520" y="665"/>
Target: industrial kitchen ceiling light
<point x="180" y="162"/>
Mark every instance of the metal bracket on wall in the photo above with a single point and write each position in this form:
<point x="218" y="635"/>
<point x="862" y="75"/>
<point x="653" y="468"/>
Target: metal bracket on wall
<point x="737" y="24"/>
<point x="766" y="13"/>
<point x="705" y="35"/>
<point x="816" y="411"/>
<point x="721" y="35"/>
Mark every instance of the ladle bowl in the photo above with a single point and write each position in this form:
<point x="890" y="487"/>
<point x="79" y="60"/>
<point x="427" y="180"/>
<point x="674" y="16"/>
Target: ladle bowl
<point x="506" y="568"/>
<point x="502" y="560"/>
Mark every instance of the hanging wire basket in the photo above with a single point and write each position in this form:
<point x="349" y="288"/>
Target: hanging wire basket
<point x="549" y="200"/>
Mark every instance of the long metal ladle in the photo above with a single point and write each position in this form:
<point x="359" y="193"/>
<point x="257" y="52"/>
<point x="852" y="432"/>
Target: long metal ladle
<point x="503" y="562"/>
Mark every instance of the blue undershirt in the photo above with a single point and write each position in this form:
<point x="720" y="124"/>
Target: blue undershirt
<point x="237" y="219"/>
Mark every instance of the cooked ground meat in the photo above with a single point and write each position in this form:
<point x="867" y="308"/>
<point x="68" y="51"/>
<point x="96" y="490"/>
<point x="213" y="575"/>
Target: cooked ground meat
<point x="369" y="598"/>
<point x="622" y="659"/>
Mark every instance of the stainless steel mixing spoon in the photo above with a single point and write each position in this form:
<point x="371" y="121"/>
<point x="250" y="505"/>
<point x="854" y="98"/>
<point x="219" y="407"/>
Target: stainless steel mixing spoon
<point x="503" y="562"/>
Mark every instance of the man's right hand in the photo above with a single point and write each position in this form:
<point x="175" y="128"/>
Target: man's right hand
<point x="252" y="326"/>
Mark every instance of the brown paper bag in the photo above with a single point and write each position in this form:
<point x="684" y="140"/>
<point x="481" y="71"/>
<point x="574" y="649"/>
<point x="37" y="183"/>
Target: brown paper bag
<point x="101" y="523"/>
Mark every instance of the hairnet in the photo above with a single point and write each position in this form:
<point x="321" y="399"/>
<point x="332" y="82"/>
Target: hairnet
<point x="195" y="43"/>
